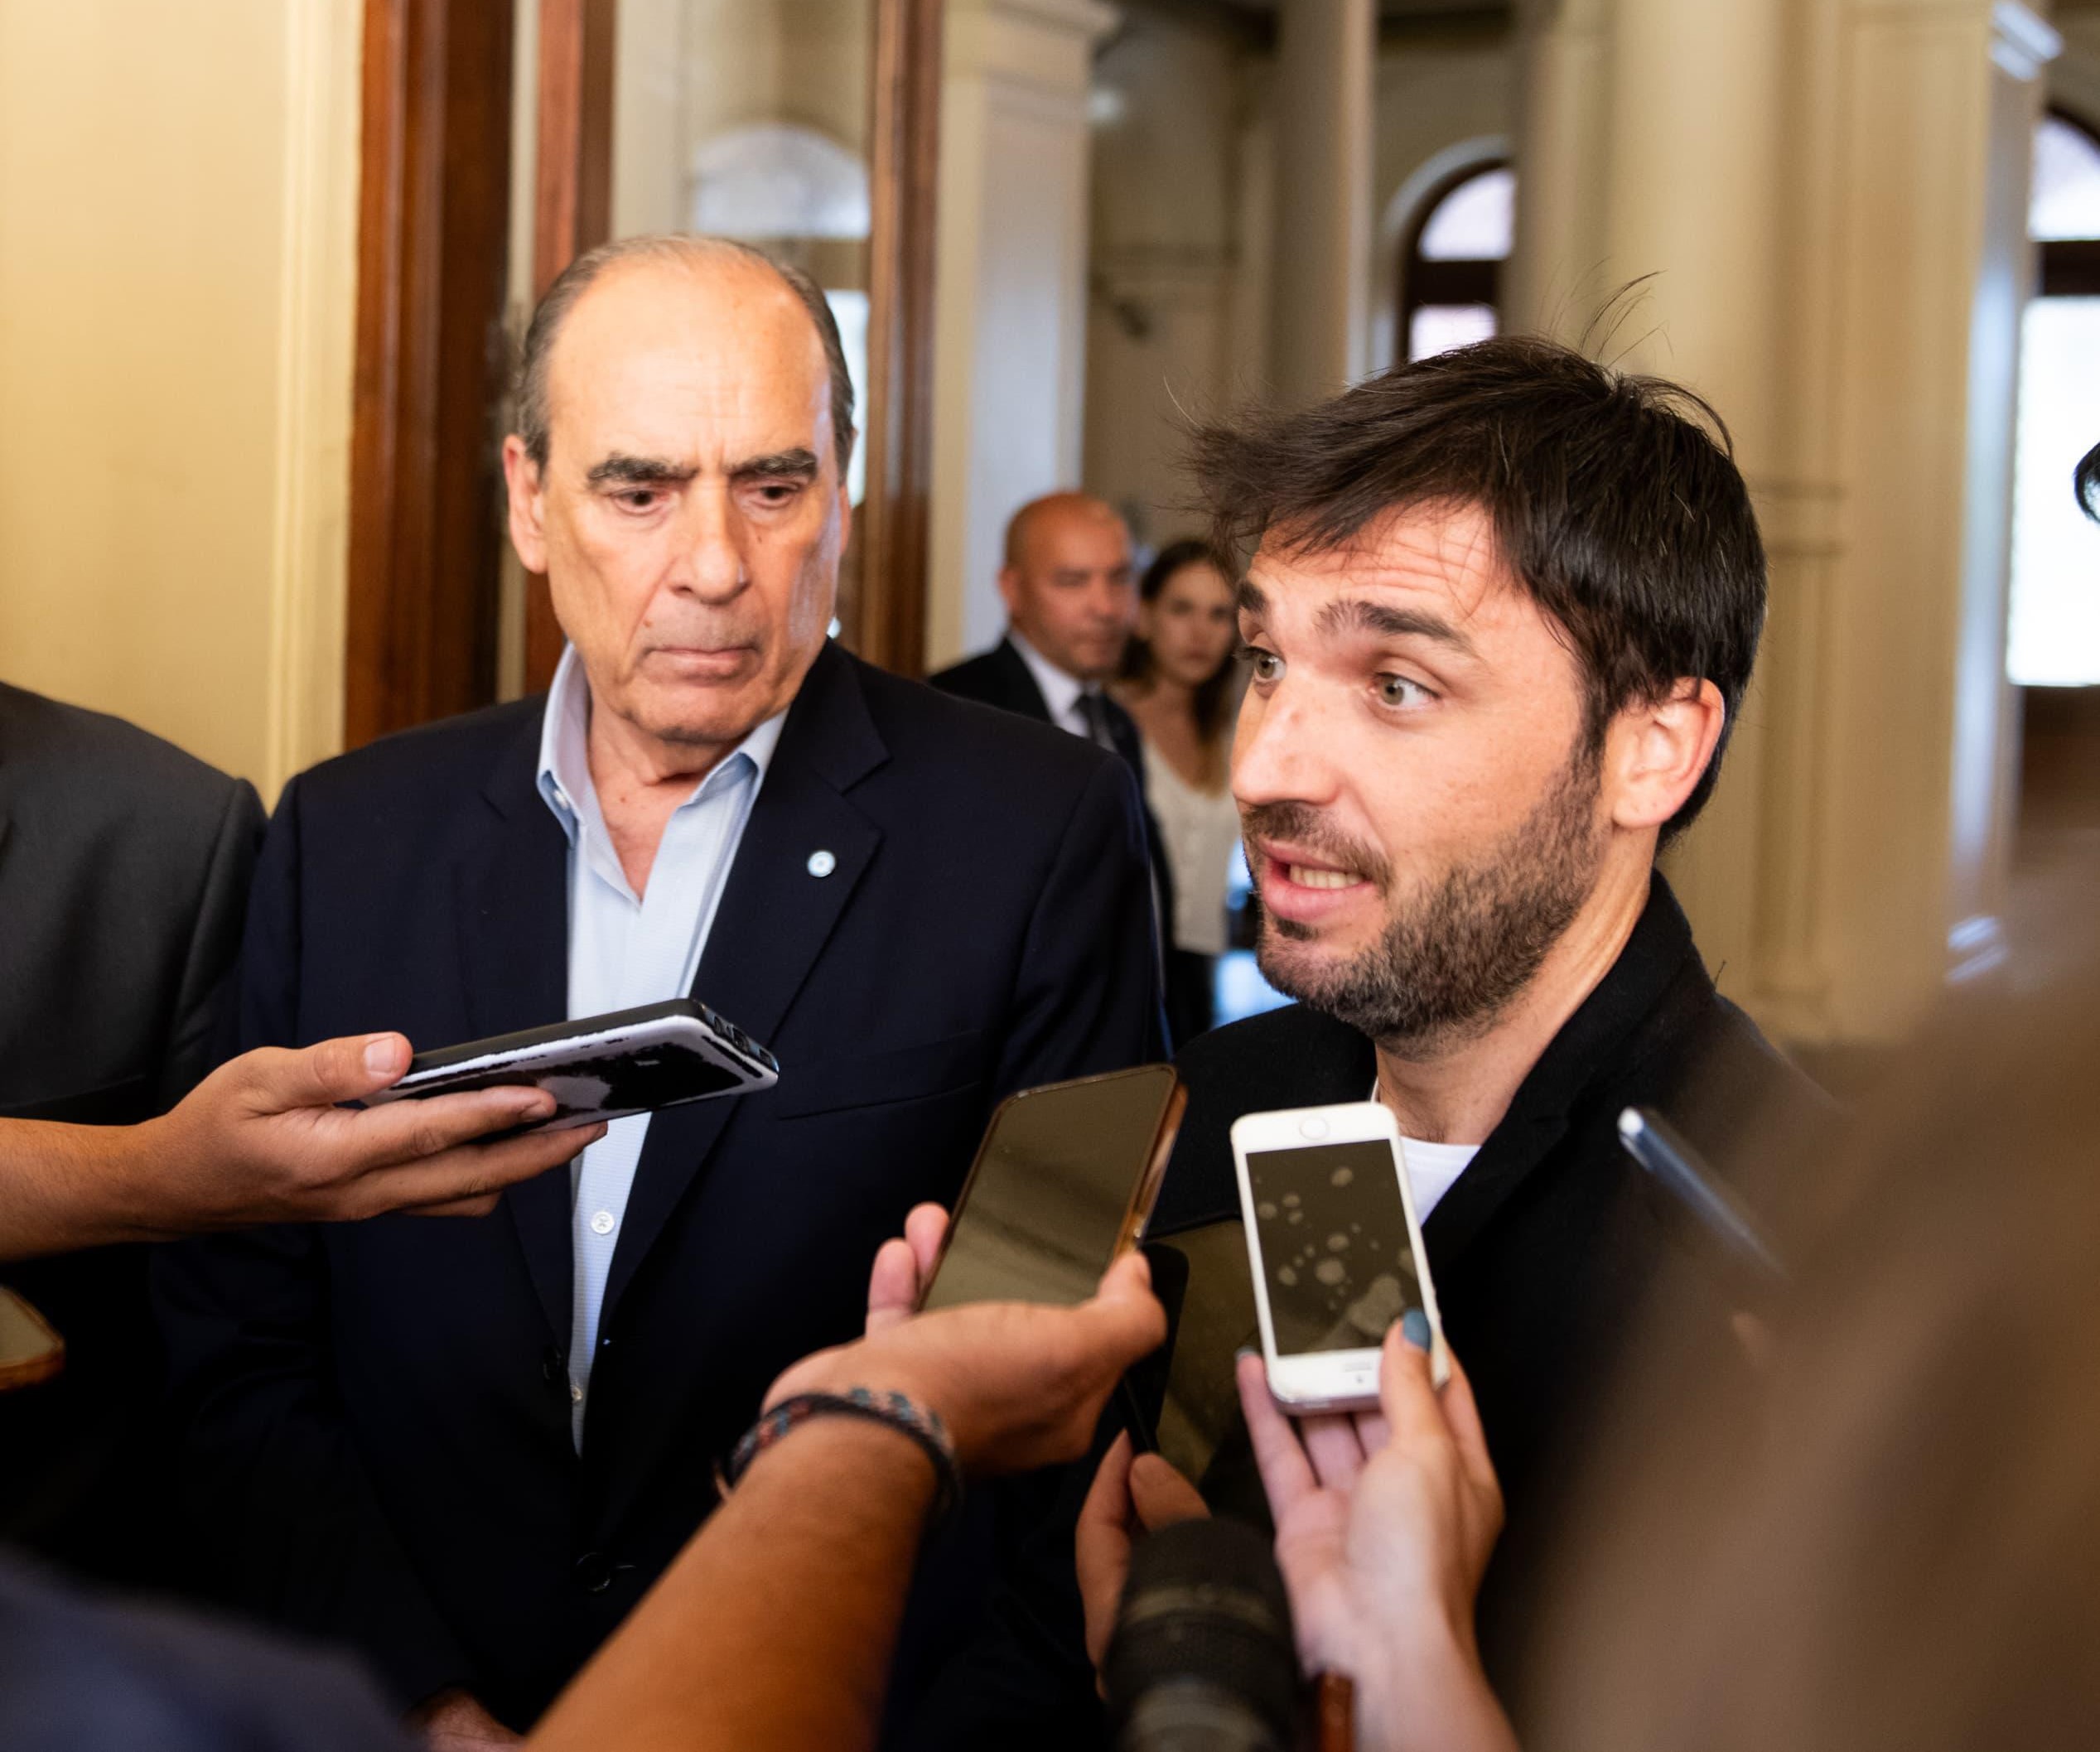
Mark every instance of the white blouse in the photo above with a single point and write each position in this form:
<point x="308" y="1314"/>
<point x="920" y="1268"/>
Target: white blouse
<point x="1201" y="830"/>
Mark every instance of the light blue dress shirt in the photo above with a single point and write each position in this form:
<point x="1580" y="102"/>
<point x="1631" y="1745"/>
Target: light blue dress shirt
<point x="626" y="949"/>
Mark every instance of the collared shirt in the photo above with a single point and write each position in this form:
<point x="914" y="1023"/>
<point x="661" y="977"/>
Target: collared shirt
<point x="626" y="949"/>
<point x="1065" y="695"/>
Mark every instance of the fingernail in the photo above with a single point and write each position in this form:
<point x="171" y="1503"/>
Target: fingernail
<point x="1414" y="1327"/>
<point x="382" y="1054"/>
<point x="1244" y="1352"/>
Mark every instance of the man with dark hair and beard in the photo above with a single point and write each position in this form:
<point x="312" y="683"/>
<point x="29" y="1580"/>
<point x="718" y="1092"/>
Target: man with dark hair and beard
<point x="1501" y="611"/>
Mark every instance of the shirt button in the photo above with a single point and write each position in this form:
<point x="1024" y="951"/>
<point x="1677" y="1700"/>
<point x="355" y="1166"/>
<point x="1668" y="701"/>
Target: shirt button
<point x="594" y="1572"/>
<point x="576" y="1392"/>
<point x="601" y="1223"/>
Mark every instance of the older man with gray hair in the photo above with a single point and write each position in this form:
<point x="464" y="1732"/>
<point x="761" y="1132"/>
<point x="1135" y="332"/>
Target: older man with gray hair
<point x="469" y="1448"/>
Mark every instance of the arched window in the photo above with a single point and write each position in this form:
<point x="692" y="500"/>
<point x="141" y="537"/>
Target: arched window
<point x="2053" y="636"/>
<point x="1450" y="261"/>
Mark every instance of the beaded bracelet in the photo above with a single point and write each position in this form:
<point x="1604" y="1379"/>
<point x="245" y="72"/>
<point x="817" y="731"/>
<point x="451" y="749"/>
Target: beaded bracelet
<point x="921" y="1423"/>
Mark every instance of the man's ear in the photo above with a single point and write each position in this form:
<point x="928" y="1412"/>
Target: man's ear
<point x="521" y="482"/>
<point x="1010" y="591"/>
<point x="1656" y="753"/>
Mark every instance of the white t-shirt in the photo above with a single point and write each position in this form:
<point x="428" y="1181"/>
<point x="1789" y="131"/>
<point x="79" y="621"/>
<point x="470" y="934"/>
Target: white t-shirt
<point x="1432" y="1169"/>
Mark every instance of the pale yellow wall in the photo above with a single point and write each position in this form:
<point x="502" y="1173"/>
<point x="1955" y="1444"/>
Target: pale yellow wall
<point x="177" y="264"/>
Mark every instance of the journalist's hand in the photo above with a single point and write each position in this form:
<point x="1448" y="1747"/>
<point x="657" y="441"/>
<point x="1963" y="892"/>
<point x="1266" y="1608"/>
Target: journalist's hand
<point x="903" y="1267"/>
<point x="1383" y="1528"/>
<point x="1130" y="1497"/>
<point x="262" y="1140"/>
<point x="1019" y="1386"/>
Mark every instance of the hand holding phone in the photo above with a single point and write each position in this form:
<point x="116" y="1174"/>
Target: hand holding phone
<point x="1061" y="1187"/>
<point x="1334" y="1247"/>
<point x="602" y="1067"/>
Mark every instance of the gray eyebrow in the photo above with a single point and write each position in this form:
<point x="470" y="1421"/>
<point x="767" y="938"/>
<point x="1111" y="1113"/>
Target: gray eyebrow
<point x="627" y="470"/>
<point x="797" y="464"/>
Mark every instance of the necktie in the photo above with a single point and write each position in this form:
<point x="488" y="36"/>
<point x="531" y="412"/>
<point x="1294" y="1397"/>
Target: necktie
<point x="1094" y="709"/>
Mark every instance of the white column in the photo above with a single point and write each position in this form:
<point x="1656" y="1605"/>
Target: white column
<point x="1832" y="200"/>
<point x="1326" y="67"/>
<point x="1695" y="145"/>
<point x="1009" y="290"/>
<point x="1933" y="106"/>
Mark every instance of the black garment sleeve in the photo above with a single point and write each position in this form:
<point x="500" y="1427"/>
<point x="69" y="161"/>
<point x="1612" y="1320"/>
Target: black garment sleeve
<point x="204" y="1027"/>
<point x="1087" y="995"/>
<point x="281" y="1515"/>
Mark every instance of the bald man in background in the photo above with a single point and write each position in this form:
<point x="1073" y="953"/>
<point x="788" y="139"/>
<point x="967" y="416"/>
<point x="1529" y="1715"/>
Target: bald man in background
<point x="1071" y="597"/>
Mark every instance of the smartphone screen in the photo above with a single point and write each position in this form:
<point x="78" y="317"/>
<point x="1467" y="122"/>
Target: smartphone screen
<point x="1050" y="1198"/>
<point x="1335" y="1255"/>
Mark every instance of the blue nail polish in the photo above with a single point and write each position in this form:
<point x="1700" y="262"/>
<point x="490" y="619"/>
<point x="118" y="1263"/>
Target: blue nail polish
<point x="1414" y="1327"/>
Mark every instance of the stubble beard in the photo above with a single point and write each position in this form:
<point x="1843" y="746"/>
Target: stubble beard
<point x="1453" y="960"/>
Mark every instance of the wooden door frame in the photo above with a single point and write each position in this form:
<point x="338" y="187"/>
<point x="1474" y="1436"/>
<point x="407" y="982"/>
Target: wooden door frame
<point x="432" y="363"/>
<point x="886" y="623"/>
<point x="572" y="207"/>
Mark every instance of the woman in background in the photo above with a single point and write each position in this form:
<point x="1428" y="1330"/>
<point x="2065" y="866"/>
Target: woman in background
<point x="1177" y="683"/>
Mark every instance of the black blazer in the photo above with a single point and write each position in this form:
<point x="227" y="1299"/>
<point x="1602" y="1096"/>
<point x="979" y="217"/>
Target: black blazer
<point x="377" y="1415"/>
<point x="124" y="866"/>
<point x="1001" y="676"/>
<point x="1545" y="1249"/>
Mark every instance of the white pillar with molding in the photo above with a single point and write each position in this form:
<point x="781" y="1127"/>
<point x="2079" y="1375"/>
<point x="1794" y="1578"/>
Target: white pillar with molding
<point x="1009" y="290"/>
<point x="1833" y="198"/>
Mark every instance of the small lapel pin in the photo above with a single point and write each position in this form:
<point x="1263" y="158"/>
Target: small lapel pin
<point x="822" y="863"/>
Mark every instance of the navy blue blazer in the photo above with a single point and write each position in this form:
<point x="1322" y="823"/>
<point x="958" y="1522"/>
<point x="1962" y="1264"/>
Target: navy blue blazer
<point x="376" y="1417"/>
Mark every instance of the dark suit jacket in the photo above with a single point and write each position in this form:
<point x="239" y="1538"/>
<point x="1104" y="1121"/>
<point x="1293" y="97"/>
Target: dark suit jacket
<point x="1546" y="1248"/>
<point x="124" y="866"/>
<point x="1001" y="676"/>
<point x="378" y="1415"/>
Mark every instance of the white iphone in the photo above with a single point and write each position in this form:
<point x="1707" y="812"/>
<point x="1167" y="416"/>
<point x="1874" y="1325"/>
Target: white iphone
<point x="1335" y="1251"/>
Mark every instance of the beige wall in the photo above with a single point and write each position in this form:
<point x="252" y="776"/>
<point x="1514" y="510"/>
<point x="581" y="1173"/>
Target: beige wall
<point x="177" y="267"/>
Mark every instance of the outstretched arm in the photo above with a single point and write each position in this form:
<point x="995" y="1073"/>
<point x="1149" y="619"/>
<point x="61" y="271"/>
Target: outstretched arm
<point x="262" y="1140"/>
<point x="774" y="1628"/>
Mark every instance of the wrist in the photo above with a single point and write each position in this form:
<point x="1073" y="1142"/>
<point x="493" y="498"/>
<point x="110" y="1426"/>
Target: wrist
<point x="864" y="1447"/>
<point x="140" y="1166"/>
<point x="1427" y="1691"/>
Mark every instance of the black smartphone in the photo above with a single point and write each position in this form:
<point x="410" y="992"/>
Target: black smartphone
<point x="1680" y="1170"/>
<point x="602" y="1067"/>
<point x="1062" y="1185"/>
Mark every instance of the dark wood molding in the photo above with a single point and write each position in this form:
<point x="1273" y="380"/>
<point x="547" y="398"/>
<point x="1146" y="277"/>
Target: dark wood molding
<point x="885" y="618"/>
<point x="432" y="224"/>
<point x="1422" y="281"/>
<point x="572" y="206"/>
